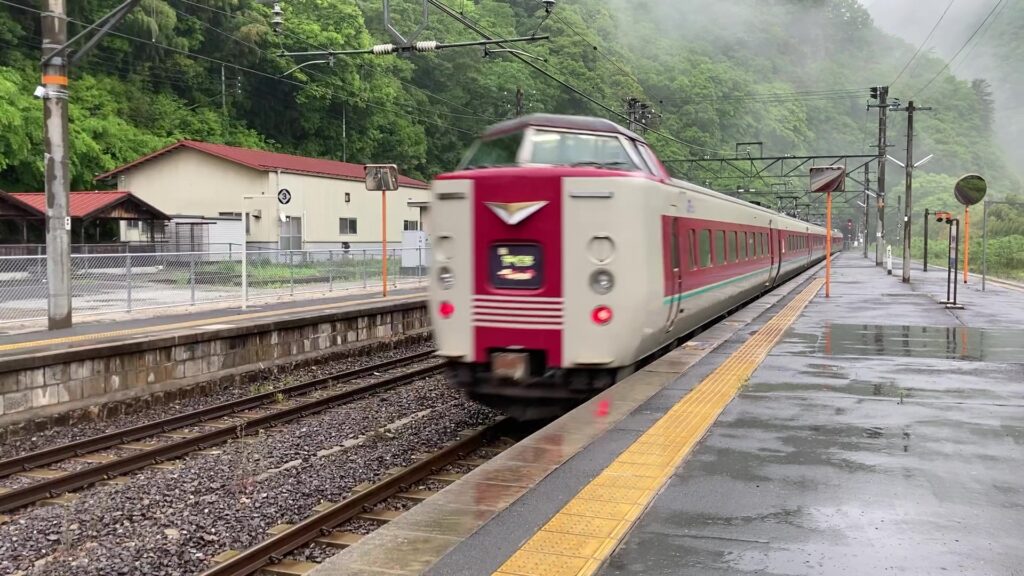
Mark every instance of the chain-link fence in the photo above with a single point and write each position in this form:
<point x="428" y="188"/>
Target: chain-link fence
<point x="126" y="282"/>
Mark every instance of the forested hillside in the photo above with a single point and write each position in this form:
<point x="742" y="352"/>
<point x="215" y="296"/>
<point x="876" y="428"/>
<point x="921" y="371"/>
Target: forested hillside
<point x="790" y="73"/>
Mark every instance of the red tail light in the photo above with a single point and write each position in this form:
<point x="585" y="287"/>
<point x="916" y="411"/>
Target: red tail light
<point x="601" y="315"/>
<point x="446" y="309"/>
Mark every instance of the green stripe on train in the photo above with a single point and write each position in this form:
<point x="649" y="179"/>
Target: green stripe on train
<point x="715" y="286"/>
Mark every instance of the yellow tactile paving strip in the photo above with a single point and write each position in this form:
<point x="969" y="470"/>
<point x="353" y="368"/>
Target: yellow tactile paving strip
<point x="194" y="323"/>
<point x="577" y="540"/>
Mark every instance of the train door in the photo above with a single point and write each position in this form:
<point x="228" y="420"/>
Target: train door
<point x="676" y="279"/>
<point x="774" y="254"/>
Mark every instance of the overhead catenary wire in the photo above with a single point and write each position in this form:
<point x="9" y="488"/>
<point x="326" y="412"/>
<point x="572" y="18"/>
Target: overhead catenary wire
<point x="968" y="41"/>
<point x="924" y="42"/>
<point x="360" y="64"/>
<point x="488" y="35"/>
<point x="247" y="69"/>
<point x="597" y="48"/>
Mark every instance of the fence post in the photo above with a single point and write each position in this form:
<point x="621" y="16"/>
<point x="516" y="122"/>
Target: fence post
<point x="192" y="277"/>
<point x="128" y="275"/>
<point x="330" y="270"/>
<point x="363" y="267"/>
<point x="291" y="273"/>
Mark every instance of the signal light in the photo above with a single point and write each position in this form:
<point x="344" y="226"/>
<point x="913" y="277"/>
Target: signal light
<point x="446" y="309"/>
<point x="874" y="92"/>
<point x="601" y="315"/>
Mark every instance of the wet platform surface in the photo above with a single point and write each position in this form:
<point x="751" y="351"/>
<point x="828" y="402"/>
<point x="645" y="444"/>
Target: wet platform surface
<point x="98" y="333"/>
<point x="883" y="435"/>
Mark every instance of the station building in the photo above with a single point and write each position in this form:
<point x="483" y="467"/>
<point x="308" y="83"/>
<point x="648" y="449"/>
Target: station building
<point x="206" y="187"/>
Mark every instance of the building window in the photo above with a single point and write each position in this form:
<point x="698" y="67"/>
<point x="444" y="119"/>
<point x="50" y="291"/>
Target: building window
<point x="347" y="226"/>
<point x="412" y="225"/>
<point x="291" y="234"/>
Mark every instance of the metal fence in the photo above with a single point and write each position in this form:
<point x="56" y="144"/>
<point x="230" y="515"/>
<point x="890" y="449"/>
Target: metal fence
<point x="103" y="283"/>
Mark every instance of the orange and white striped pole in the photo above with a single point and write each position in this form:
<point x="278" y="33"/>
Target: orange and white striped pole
<point x="967" y="241"/>
<point x="828" y="243"/>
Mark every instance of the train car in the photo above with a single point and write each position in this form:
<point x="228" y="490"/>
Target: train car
<point x="565" y="255"/>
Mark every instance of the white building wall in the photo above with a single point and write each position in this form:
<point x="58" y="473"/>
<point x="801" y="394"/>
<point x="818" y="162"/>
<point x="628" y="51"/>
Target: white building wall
<point x="189" y="183"/>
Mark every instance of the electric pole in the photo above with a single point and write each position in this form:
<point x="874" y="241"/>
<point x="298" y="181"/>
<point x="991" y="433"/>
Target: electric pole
<point x="520" y="106"/>
<point x="55" y="132"/>
<point x="881" y="94"/>
<point x="908" y="206"/>
<point x="223" y="92"/>
<point x="867" y="204"/>
<point x="54" y="93"/>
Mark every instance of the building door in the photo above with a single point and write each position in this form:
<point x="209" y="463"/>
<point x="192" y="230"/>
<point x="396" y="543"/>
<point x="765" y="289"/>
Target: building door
<point x="291" y="234"/>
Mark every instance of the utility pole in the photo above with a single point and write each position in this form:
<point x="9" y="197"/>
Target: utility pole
<point x="881" y="94"/>
<point x="55" y="132"/>
<point x="223" y="92"/>
<point x="520" y="107"/>
<point x="867" y="204"/>
<point x="908" y="206"/>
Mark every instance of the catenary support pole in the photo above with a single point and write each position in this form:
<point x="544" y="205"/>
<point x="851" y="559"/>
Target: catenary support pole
<point x="909" y="192"/>
<point x="867" y="203"/>
<point x="55" y="133"/>
<point x="883" y="145"/>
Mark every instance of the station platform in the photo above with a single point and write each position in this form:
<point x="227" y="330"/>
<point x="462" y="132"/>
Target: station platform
<point x="872" y="432"/>
<point x="131" y="330"/>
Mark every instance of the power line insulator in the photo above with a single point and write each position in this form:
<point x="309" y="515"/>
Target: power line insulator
<point x="426" y="46"/>
<point x="381" y="49"/>
<point x="277" y="20"/>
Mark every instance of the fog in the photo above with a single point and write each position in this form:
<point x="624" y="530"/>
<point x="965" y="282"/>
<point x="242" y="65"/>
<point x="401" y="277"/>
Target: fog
<point x="912" y="20"/>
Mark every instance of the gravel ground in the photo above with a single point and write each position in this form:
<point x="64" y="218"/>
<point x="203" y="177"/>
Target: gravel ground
<point x="82" y="430"/>
<point x="175" y="521"/>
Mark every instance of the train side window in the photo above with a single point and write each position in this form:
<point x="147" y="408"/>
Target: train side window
<point x="742" y="245"/>
<point x="704" y="248"/>
<point x="719" y="247"/>
<point x="731" y="236"/>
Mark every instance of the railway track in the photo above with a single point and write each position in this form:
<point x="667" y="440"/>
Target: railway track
<point x="320" y="527"/>
<point x="303" y="401"/>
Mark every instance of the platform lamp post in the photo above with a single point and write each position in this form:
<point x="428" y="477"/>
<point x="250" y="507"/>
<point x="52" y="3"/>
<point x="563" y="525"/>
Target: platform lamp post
<point x="828" y="179"/>
<point x="382" y="177"/>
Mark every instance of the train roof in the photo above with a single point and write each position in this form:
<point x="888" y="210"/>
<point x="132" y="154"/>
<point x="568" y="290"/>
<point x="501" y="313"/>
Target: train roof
<point x="560" y="121"/>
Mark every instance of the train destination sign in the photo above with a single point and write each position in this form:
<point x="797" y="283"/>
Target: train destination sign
<point x="517" y="266"/>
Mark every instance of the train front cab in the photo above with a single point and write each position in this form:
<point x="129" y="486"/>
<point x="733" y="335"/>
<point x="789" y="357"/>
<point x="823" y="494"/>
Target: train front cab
<point x="531" y="300"/>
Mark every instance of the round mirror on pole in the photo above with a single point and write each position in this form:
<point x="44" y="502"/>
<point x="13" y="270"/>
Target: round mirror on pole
<point x="970" y="189"/>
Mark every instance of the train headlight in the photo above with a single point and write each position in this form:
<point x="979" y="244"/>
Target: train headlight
<point x="446" y="277"/>
<point x="602" y="281"/>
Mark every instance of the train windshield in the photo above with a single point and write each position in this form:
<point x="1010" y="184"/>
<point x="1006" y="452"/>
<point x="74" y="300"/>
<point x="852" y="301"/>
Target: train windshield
<point x="552" y="148"/>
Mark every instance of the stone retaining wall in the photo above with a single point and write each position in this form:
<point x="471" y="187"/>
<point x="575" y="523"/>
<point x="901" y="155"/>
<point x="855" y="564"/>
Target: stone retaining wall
<point x="55" y="388"/>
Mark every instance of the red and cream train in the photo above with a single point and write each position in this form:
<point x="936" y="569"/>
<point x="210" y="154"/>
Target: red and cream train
<point x="565" y="255"/>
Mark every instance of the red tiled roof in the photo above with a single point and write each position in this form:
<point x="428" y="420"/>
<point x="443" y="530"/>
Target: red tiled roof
<point x="268" y="161"/>
<point x="84" y="204"/>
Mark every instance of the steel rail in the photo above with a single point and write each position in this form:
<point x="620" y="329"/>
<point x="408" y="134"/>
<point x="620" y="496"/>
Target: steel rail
<point x="46" y="456"/>
<point x="52" y="487"/>
<point x="275" y="548"/>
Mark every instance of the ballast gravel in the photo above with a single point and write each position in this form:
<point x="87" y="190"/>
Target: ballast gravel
<point x="175" y="521"/>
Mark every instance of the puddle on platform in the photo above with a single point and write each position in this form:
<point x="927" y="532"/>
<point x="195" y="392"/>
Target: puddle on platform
<point x="952" y="343"/>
